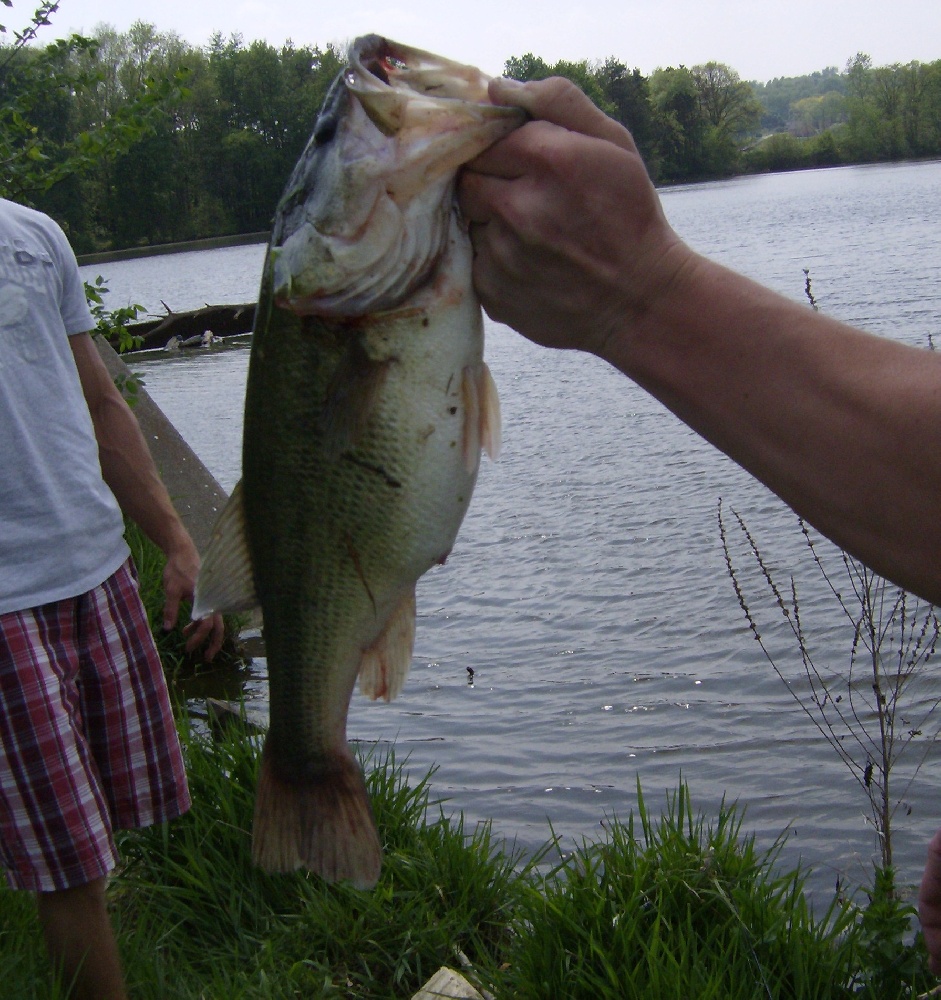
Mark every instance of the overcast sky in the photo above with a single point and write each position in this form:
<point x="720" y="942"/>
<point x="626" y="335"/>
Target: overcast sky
<point x="760" y="39"/>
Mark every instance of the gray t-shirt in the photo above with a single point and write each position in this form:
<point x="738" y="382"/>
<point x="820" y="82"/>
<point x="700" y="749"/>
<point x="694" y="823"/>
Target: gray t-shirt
<point x="61" y="530"/>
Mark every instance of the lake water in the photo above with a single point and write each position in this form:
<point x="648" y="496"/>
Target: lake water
<point x="588" y="590"/>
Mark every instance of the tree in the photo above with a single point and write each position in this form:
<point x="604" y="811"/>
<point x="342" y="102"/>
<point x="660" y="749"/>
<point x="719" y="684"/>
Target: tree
<point x="812" y="115"/>
<point x="526" y="67"/>
<point x="42" y="143"/>
<point x="678" y="122"/>
<point x="628" y="94"/>
<point x="778" y="96"/>
<point x="530" y="67"/>
<point x="727" y="103"/>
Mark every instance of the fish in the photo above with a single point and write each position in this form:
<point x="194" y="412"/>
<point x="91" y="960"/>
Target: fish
<point x="368" y="404"/>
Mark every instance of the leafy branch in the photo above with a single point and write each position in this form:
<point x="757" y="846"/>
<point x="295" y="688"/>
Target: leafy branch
<point x="31" y="163"/>
<point x="113" y="326"/>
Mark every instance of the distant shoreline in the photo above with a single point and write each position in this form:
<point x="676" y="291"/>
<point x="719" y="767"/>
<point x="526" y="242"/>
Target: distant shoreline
<point x="212" y="243"/>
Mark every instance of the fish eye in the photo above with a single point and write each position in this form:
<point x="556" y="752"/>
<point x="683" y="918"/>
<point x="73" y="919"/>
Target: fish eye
<point x="325" y="130"/>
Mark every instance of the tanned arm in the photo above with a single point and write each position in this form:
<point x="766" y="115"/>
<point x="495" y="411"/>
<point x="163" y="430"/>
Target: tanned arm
<point x="573" y="250"/>
<point x="129" y="470"/>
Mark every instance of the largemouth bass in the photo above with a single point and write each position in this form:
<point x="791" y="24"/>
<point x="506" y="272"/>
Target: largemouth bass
<point x="367" y="406"/>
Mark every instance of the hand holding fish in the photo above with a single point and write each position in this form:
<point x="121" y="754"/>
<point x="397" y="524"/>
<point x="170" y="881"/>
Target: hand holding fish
<point x="569" y="237"/>
<point x="179" y="583"/>
<point x="573" y="250"/>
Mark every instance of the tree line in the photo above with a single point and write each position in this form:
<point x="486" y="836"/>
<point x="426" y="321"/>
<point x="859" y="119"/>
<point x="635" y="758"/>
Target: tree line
<point x="138" y="137"/>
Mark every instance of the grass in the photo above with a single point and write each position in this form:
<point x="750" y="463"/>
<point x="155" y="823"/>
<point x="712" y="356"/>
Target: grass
<point x="192" y="887"/>
<point x="177" y="663"/>
<point x="677" y="907"/>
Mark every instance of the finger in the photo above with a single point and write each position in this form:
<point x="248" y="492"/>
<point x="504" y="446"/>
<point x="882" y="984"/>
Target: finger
<point x="171" y="610"/>
<point x="559" y="101"/>
<point x="208" y="632"/>
<point x="477" y="194"/>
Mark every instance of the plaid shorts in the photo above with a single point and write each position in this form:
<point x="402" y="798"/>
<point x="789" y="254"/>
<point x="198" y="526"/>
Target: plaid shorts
<point x="88" y="742"/>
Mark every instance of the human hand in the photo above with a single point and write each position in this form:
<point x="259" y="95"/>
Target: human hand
<point x="179" y="583"/>
<point x="571" y="244"/>
<point x="929" y="903"/>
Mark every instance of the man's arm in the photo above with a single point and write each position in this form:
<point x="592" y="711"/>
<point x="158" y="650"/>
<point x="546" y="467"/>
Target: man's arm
<point x="129" y="470"/>
<point x="573" y="250"/>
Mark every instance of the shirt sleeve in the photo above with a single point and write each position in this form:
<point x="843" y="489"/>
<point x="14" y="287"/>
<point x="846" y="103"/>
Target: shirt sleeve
<point x="73" y="306"/>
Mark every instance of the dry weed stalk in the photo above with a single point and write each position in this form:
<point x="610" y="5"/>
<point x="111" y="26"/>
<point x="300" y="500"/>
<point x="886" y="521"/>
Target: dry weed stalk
<point x="863" y="711"/>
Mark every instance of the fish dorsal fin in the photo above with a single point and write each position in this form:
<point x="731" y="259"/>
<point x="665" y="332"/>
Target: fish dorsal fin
<point x="226" y="581"/>
<point x="482" y="425"/>
<point x="385" y="664"/>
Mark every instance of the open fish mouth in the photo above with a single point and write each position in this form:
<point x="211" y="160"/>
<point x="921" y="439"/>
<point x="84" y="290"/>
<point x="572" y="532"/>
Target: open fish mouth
<point x="388" y="77"/>
<point x="365" y="217"/>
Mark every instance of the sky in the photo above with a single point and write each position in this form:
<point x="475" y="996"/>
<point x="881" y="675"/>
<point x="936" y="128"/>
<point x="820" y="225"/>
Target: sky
<point x="760" y="39"/>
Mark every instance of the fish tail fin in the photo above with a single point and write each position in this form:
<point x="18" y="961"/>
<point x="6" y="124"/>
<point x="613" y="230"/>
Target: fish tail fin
<point x="324" y="824"/>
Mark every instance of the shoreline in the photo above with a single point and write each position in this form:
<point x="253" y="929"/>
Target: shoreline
<point x="158" y="250"/>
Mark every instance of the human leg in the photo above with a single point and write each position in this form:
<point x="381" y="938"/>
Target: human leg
<point x="55" y="831"/>
<point x="87" y="743"/>
<point x="80" y="941"/>
<point x="127" y="716"/>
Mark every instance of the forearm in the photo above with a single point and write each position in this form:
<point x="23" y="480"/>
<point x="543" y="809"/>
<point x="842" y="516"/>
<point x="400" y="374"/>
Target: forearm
<point x="126" y="464"/>
<point x="842" y="425"/>
<point x="128" y="469"/>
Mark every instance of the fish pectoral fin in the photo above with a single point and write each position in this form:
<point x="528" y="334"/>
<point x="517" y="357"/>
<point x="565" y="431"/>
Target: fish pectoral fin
<point x="351" y="399"/>
<point x="491" y="427"/>
<point x="226" y="580"/>
<point x="385" y="664"/>
<point x="482" y="425"/>
<point x="323" y="823"/>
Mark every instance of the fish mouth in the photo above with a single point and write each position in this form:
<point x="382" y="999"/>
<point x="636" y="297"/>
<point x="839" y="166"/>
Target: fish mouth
<point x="400" y="87"/>
<point x="368" y="210"/>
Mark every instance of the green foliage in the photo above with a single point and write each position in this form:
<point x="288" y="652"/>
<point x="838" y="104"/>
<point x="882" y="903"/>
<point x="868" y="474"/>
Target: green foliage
<point x="582" y="74"/>
<point x="113" y="326"/>
<point x="43" y="140"/>
<point x="866" y="113"/>
<point x="677" y="908"/>
<point x="680" y="123"/>
<point x="221" y="921"/>
<point x="137" y="137"/>
<point x="892" y="968"/>
<point x="673" y="908"/>
<point x="778" y="96"/>
<point x="780" y="151"/>
<point x="150" y="562"/>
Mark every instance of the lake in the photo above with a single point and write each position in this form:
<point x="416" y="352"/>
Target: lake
<point x="588" y="589"/>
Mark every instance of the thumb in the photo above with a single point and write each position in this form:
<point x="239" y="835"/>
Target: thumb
<point x="559" y="101"/>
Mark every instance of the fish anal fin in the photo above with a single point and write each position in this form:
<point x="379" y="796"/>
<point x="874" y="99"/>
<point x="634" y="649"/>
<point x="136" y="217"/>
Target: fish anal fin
<point x="385" y="664"/>
<point x="482" y="425"/>
<point x="323" y="824"/>
<point x="226" y="579"/>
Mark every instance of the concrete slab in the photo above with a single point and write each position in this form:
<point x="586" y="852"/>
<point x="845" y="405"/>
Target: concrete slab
<point x="194" y="490"/>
